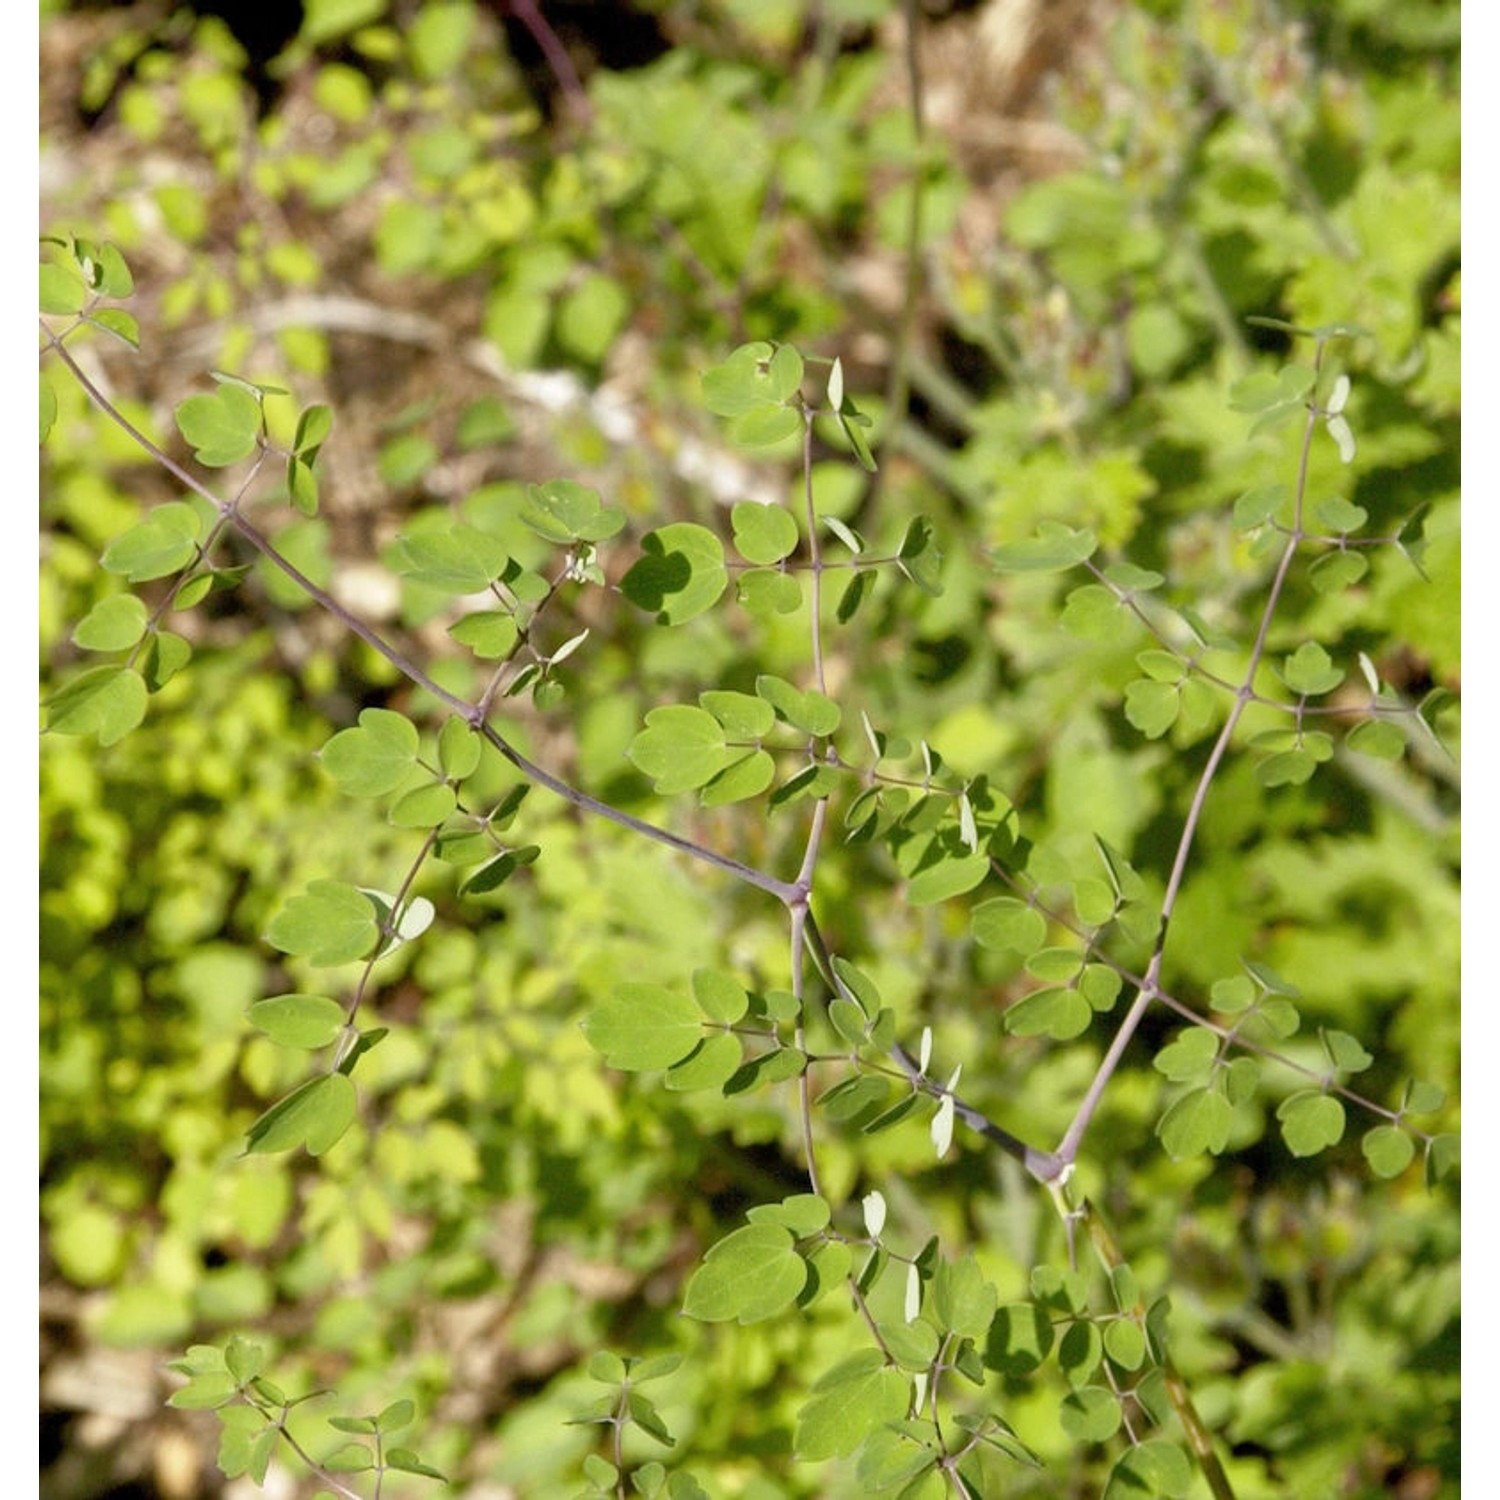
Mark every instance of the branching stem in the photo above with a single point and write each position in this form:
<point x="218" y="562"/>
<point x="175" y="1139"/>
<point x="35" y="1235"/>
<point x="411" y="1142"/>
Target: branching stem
<point x="1149" y="990"/>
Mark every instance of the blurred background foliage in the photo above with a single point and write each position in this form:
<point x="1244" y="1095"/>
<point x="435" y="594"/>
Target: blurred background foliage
<point x="499" y="271"/>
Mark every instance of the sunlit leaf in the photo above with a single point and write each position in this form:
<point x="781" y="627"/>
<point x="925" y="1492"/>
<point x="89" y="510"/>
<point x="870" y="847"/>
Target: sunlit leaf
<point x="749" y="1276"/>
<point x="644" y="1027"/>
<point x="855" y="1398"/>
<point x="316" y="1115"/>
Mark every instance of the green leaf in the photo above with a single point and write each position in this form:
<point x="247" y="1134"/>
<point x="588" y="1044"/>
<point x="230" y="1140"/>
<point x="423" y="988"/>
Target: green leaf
<point x="1059" y="1013"/>
<point x="766" y="426"/>
<point x="352" y="1458"/>
<point x="710" y="1065"/>
<point x="1422" y="1098"/>
<point x="744" y="716"/>
<point x="1007" y="923"/>
<point x="851" y="420"/>
<point x="408" y="1463"/>
<point x="746" y="777"/>
<point x="1388" y="1149"/>
<point x="1310" y="671"/>
<point x="749" y="1276"/>
<point x="493" y="873"/>
<point x="106" y="702"/>
<point x="754" y="376"/>
<point x="1162" y="666"/>
<point x="854" y="1099"/>
<point x="1019" y="1339"/>
<point x="1053" y="549"/>
<point x="165" y="655"/>
<point x="459" y="749"/>
<point x="1310" y="1122"/>
<point x="1265" y="393"/>
<point x="1379" y="738"/>
<point x="1442" y="1157"/>
<point x="962" y="1301"/>
<point x="1079" y="1352"/>
<point x="679" y="575"/>
<point x="763" y="534"/>
<point x="920" y="558"/>
<point x="313" y="427"/>
<point x="305" y="1021"/>
<point x="424" y="807"/>
<point x="853" y="595"/>
<point x="61" y="291"/>
<point x="948" y="878"/>
<point x="809" y="711"/>
<point x="1190" y="1057"/>
<point x="1060" y="965"/>
<point x="47" y="408"/>
<point x="1345" y="1052"/>
<point x="439" y="36"/>
<point x="767" y="592"/>
<point x="328" y="923"/>
<point x="113" y="624"/>
<point x="802" y="1214"/>
<point x="644" y="1027"/>
<point x="1125" y="1343"/>
<point x="720" y="996"/>
<point x="1338" y="570"/>
<point x="316" y="1115"/>
<point x="117" y="321"/>
<point x="565" y="512"/>
<point x="165" y="542"/>
<point x="828" y="1267"/>
<point x="302" y="486"/>
<point x="857" y="1397"/>
<point x="374" y="758"/>
<point x="222" y="427"/>
<point x="1152" y="1470"/>
<point x="457" y="560"/>
<point x="1257" y="506"/>
<point x="1152" y="707"/>
<point x="681" y="748"/>
<point x="1091" y="1415"/>
<point x="490" y="634"/>
<point x="848" y="1020"/>
<point x="1199" y="1121"/>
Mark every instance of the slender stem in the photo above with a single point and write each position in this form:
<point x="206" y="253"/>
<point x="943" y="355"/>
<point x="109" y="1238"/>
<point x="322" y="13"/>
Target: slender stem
<point x="804" y="1080"/>
<point x="472" y="714"/>
<point x="1042" y="1165"/>
<point x="1149" y="989"/>
<point x="814" y="551"/>
<point x="1200" y="1440"/>
<point x="529" y="14"/>
<point x="898" y="381"/>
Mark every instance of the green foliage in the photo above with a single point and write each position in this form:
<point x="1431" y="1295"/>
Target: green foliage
<point x="899" y="753"/>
